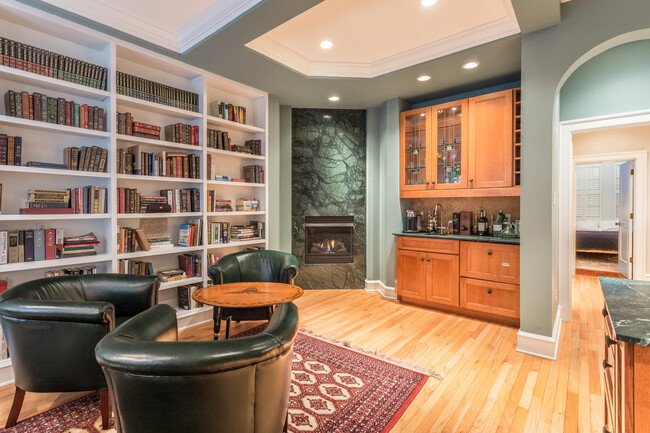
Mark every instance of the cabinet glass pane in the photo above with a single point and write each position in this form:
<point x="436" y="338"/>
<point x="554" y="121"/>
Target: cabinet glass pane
<point x="415" y="149"/>
<point x="449" y="145"/>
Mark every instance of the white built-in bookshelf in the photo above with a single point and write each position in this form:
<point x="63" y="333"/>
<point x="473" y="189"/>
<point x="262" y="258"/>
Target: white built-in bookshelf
<point x="46" y="142"/>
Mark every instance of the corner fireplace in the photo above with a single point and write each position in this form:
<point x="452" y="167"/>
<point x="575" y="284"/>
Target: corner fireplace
<point x="329" y="239"/>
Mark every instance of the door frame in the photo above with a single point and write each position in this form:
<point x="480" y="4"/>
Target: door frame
<point x="566" y="208"/>
<point x="640" y="158"/>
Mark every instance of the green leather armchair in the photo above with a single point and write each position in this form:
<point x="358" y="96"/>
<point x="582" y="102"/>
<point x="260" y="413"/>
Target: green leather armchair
<point x="52" y="326"/>
<point x="160" y="385"/>
<point x="250" y="266"/>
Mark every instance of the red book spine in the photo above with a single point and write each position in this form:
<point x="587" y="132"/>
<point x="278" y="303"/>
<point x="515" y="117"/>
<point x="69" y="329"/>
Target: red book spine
<point x="68" y="109"/>
<point x="122" y="205"/>
<point x="50" y="244"/>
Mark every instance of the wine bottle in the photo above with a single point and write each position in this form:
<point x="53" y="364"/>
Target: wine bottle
<point x="498" y="224"/>
<point x="475" y="225"/>
<point x="482" y="224"/>
<point x="491" y="227"/>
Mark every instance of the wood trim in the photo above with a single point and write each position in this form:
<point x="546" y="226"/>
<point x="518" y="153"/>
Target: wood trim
<point x="430" y="245"/>
<point x="641" y="411"/>
<point x="513" y="191"/>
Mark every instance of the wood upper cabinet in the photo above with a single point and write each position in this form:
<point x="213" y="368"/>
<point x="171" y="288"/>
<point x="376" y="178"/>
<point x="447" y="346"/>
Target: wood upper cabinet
<point x="411" y="274"/>
<point x="491" y="140"/>
<point x="449" y="170"/>
<point x="416" y="153"/>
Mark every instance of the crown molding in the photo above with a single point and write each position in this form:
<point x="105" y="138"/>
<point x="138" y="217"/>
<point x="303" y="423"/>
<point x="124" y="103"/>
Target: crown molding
<point x="478" y="35"/>
<point x="120" y="20"/>
<point x="212" y="20"/>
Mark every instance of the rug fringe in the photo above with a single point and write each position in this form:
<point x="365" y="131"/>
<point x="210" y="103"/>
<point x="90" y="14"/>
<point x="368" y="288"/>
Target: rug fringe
<point x="399" y="362"/>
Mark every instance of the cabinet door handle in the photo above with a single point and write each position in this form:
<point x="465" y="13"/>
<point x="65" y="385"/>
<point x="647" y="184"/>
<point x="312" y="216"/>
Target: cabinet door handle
<point x="427" y="183"/>
<point x="471" y="179"/>
<point x="606" y="364"/>
<point x="428" y="260"/>
<point x="489" y="252"/>
<point x="609" y="341"/>
<point x="604" y="312"/>
<point x="433" y="182"/>
<point x="489" y="291"/>
<point x="421" y="259"/>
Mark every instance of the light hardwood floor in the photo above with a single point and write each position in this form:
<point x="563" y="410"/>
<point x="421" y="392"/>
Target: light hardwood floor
<point x="487" y="386"/>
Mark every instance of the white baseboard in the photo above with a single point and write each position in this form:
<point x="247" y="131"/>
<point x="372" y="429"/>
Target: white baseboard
<point x="541" y="345"/>
<point x="6" y="372"/>
<point x="378" y="286"/>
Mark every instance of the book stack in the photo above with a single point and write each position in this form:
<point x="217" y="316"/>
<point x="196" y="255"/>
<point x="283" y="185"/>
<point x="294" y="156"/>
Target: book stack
<point x="77" y="246"/>
<point x="43" y="108"/>
<point x="255" y="146"/>
<point x="82" y="270"/>
<point x="39" y="61"/>
<point x="218" y="205"/>
<point x="185" y="301"/>
<point x="127" y="126"/>
<point x="135" y="267"/>
<point x="160" y="242"/>
<point x="218" y="232"/>
<point x="248" y="204"/>
<point x="190" y="235"/>
<point x="171" y="275"/>
<point x="166" y="164"/>
<point x="30" y="245"/>
<point x="218" y="139"/>
<point x="140" y="88"/>
<point x="243" y="233"/>
<point x="254" y="173"/>
<point x="11" y="150"/>
<point x="84" y="159"/>
<point x="222" y="178"/>
<point x="181" y="133"/>
<point x="224" y="110"/>
<point x="190" y="264"/>
<point x="48" y="201"/>
<point x="129" y="200"/>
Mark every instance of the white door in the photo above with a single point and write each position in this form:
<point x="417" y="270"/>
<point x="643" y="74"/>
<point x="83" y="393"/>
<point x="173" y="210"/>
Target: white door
<point x="626" y="220"/>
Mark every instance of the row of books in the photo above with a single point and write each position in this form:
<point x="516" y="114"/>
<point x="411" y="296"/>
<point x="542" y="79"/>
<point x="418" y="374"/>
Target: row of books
<point x="232" y="112"/>
<point x="32" y="245"/>
<point x="85" y="200"/>
<point x="11" y="150"/>
<point x="191" y="235"/>
<point x="254" y="173"/>
<point x="182" y="133"/>
<point x="254" y="230"/>
<point x="129" y="200"/>
<point x="218" y="205"/>
<point x="128" y="238"/>
<point x="166" y="164"/>
<point x="248" y="204"/>
<point x="137" y="87"/>
<point x="218" y="232"/>
<point x="191" y="264"/>
<point x="135" y="267"/>
<point x="127" y="126"/>
<point x="82" y="159"/>
<point x="218" y="139"/>
<point x="36" y="60"/>
<point x="185" y="300"/>
<point x="43" y="108"/>
<point x="81" y="270"/>
<point x="251" y="147"/>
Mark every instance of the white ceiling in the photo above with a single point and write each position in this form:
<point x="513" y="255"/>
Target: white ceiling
<point x="172" y="24"/>
<point x="375" y="37"/>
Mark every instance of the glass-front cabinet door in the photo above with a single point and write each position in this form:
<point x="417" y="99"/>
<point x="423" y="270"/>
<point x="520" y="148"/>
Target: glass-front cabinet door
<point x="450" y="135"/>
<point x="416" y="153"/>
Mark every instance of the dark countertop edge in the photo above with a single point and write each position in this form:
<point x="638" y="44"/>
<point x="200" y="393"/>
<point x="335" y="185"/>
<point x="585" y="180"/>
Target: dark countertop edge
<point x="620" y="337"/>
<point x="466" y="238"/>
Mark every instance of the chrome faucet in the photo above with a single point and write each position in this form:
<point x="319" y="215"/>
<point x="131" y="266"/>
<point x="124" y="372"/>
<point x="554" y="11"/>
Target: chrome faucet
<point x="438" y="217"/>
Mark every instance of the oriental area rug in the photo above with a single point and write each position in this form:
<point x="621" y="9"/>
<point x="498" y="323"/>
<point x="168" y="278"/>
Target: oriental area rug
<point x="333" y="389"/>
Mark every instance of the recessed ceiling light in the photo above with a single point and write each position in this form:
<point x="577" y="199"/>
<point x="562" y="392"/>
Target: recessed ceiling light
<point x="470" y="65"/>
<point x="424" y="77"/>
<point x="327" y="116"/>
<point x="333" y="98"/>
<point x="428" y="2"/>
<point x="326" y="45"/>
<point x="423" y="114"/>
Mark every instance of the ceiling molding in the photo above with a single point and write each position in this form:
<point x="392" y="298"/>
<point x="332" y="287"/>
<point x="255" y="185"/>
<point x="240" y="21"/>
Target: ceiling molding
<point x="479" y="35"/>
<point x="212" y="20"/>
<point x="120" y="20"/>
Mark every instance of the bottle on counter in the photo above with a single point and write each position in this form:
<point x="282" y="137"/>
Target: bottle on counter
<point x="491" y="226"/>
<point x="482" y="224"/>
<point x="498" y="224"/>
<point x="475" y="225"/>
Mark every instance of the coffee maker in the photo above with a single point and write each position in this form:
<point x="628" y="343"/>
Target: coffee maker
<point x="413" y="223"/>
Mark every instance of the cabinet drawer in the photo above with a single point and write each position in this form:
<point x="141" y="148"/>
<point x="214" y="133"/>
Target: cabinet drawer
<point x="487" y="261"/>
<point x="431" y="245"/>
<point x="489" y="297"/>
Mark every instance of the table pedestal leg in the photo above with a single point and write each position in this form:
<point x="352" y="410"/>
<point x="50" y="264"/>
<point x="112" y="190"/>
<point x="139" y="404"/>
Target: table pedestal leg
<point x="228" y="327"/>
<point x="217" y="321"/>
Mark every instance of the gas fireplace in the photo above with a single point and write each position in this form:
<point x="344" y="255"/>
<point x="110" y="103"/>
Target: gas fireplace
<point x="328" y="239"/>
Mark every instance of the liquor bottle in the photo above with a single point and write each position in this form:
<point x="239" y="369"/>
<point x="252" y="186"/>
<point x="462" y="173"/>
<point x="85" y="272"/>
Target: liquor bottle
<point x="498" y="224"/>
<point x="475" y="226"/>
<point x="482" y="224"/>
<point x="491" y="226"/>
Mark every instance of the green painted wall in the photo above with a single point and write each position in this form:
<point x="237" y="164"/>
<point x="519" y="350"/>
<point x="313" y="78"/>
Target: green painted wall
<point x="273" y="154"/>
<point x="283" y="201"/>
<point x="616" y="81"/>
<point x="549" y="56"/>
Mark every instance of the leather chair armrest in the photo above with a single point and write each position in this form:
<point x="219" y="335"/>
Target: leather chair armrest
<point x="62" y="311"/>
<point x="289" y="269"/>
<point x="130" y="294"/>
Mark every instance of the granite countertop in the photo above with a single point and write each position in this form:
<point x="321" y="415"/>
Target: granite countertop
<point x="628" y="302"/>
<point x="471" y="238"/>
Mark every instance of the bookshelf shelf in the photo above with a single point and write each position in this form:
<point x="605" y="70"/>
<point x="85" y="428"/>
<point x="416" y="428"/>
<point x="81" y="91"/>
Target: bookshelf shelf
<point x="229" y="124"/>
<point x="129" y="102"/>
<point x="249" y="184"/>
<point x="140" y="178"/>
<point x="237" y="213"/>
<point x="159" y="215"/>
<point x="232" y="154"/>
<point x="30" y="78"/>
<point x="180" y="314"/>
<point x="57" y="263"/>
<point x="176" y="283"/>
<point x="159" y="252"/>
<point x="236" y="244"/>
<point x="52" y="127"/>
<point x="52" y="171"/>
<point x="156" y="143"/>
<point x="55" y="217"/>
